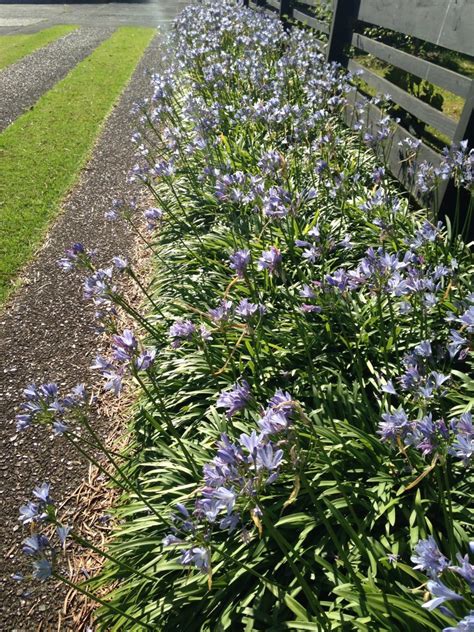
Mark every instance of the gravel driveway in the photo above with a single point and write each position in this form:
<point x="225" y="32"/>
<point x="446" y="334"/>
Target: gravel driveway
<point x="46" y="334"/>
<point x="22" y="83"/>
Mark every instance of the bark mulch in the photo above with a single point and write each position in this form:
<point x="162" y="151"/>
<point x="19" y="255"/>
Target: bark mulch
<point x="46" y="334"/>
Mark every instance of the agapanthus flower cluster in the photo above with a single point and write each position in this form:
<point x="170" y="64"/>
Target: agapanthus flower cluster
<point x="233" y="481"/>
<point x="226" y="311"/>
<point x="153" y="217"/>
<point x="271" y="162"/>
<point x="128" y="357"/>
<point x="457" y="163"/>
<point x="41" y="548"/>
<point x="44" y="405"/>
<point x="313" y="245"/>
<point x="239" y="261"/>
<point x="235" y="399"/>
<point x="238" y="188"/>
<point x="77" y="257"/>
<point x="463" y="445"/>
<point x="222" y="313"/>
<point x="277" y="203"/>
<point x="429" y="435"/>
<point x="420" y="378"/>
<point x="123" y="209"/>
<point x="99" y="284"/>
<point x="444" y="583"/>
<point x="180" y="331"/>
<point x="270" y="260"/>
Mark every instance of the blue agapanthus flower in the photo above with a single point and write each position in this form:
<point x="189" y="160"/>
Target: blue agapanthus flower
<point x="236" y="399"/>
<point x="429" y="558"/>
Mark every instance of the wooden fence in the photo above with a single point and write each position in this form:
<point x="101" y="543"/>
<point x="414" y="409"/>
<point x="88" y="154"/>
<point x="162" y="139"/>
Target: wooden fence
<point x="445" y="23"/>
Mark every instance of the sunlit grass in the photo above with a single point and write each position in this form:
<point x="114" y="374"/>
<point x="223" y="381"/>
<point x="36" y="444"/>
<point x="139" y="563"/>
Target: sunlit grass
<point x="14" y="47"/>
<point x="42" y="152"/>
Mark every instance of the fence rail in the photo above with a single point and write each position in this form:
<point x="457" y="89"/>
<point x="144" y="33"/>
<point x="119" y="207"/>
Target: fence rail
<point x="445" y="23"/>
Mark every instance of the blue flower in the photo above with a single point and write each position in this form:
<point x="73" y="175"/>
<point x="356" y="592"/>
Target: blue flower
<point x="393" y="425"/>
<point x="239" y="262"/>
<point x="98" y="286"/>
<point x="429" y="558"/>
<point x="42" y="569"/>
<point x="236" y="399"/>
<point x="282" y="401"/>
<point x="456" y="344"/>
<point x="76" y="257"/>
<point x="222" y="312"/>
<point x="62" y="532"/>
<point x="120" y="263"/>
<point x="269" y="459"/>
<point x="251" y="442"/>
<point x="226" y="497"/>
<point x="208" y="508"/>
<point x="463" y="445"/>
<point x="423" y="349"/>
<point x="467" y="319"/>
<point x="42" y="492"/>
<point x="29" y="513"/>
<point x="59" y="428"/>
<point x="198" y="557"/>
<point x="277" y="203"/>
<point x="274" y="422"/>
<point x="307" y="291"/>
<point x="465" y="625"/>
<point x="23" y="421"/>
<point x="124" y="346"/>
<point x="246" y="309"/>
<point x="441" y="594"/>
<point x="153" y="216"/>
<point x="465" y="570"/>
<point x="145" y="359"/>
<point x="270" y="260"/>
<point x="182" y="510"/>
<point x="463" y="448"/>
<point x="229" y="522"/>
<point x="35" y="544"/>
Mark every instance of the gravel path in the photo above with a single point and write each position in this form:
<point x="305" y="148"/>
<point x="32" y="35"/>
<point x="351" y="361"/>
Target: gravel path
<point x="22" y="83"/>
<point x="46" y="334"/>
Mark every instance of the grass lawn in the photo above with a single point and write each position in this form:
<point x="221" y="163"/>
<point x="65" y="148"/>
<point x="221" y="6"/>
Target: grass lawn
<point x="42" y="152"/>
<point x="14" y="47"/>
<point x="452" y="104"/>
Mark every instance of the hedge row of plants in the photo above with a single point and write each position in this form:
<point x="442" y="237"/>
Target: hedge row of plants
<point x="302" y="445"/>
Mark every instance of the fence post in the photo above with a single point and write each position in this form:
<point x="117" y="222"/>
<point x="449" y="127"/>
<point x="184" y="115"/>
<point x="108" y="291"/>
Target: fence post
<point x="286" y="11"/>
<point x="342" y="26"/>
<point x="448" y="195"/>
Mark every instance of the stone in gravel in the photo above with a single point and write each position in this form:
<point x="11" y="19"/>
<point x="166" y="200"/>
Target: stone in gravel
<point x="22" y="83"/>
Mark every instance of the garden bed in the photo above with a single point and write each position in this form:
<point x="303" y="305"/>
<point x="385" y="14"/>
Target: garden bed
<point x="304" y="436"/>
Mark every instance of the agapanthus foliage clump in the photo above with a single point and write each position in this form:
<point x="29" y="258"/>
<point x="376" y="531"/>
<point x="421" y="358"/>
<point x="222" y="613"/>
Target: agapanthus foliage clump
<point x="305" y="431"/>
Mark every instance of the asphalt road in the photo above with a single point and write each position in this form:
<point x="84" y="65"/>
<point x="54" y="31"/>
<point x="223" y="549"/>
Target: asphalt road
<point x="31" y="16"/>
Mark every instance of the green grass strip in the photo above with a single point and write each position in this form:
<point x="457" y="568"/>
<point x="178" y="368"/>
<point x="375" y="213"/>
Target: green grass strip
<point x="14" y="47"/>
<point x="42" y="152"/>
